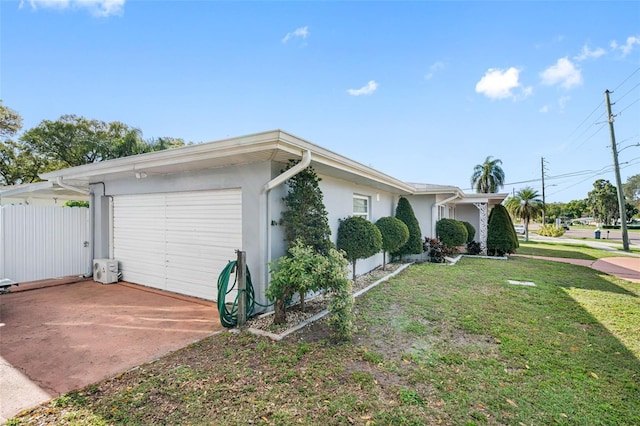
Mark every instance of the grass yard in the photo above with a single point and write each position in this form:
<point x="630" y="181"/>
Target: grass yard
<point x="563" y="250"/>
<point x="435" y="345"/>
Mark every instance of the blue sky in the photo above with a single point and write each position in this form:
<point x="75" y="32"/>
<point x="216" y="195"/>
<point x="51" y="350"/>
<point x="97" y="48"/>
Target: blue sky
<point x="422" y="91"/>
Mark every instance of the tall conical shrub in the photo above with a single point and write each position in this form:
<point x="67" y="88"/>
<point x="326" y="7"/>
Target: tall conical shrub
<point x="305" y="217"/>
<point x="404" y="212"/>
<point x="501" y="238"/>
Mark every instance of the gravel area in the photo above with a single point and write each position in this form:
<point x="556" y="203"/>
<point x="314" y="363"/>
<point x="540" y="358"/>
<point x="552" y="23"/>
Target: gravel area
<point x="315" y="304"/>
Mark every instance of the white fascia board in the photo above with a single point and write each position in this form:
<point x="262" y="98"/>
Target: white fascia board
<point x="337" y="161"/>
<point x="185" y="154"/>
<point x="496" y="198"/>
<point x="272" y="140"/>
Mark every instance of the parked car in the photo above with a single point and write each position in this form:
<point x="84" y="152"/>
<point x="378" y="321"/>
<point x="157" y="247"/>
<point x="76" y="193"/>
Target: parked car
<point x="519" y="229"/>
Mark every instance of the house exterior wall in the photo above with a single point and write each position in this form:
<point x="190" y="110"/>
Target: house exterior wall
<point x="262" y="236"/>
<point x="469" y="213"/>
<point x="249" y="178"/>
<point x="338" y="200"/>
<point x="422" y="205"/>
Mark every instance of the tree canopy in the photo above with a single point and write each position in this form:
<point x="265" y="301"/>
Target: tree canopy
<point x="603" y="202"/>
<point x="488" y="177"/>
<point x="631" y="190"/>
<point x="526" y="205"/>
<point x="67" y="142"/>
<point x="10" y="121"/>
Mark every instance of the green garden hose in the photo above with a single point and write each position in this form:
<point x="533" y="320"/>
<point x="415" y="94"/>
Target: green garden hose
<point x="229" y="314"/>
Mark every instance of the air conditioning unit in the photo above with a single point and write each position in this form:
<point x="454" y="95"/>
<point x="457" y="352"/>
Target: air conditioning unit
<point x="105" y="271"/>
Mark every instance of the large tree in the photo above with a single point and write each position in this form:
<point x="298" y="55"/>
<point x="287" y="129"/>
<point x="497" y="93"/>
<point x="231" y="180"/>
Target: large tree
<point x="16" y="165"/>
<point x="526" y="205"/>
<point x="603" y="202"/>
<point x="74" y="141"/>
<point x="631" y="190"/>
<point x="488" y="177"/>
<point x="576" y="208"/>
<point x="10" y="121"/>
<point x="67" y="142"/>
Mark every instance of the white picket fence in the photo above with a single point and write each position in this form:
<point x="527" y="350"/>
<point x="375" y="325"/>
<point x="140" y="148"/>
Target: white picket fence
<point x="39" y="242"/>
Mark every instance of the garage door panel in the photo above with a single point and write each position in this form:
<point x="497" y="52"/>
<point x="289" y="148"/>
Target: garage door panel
<point x="178" y="241"/>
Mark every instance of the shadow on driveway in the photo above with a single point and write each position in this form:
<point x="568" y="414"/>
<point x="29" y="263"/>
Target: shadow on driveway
<point x="60" y="338"/>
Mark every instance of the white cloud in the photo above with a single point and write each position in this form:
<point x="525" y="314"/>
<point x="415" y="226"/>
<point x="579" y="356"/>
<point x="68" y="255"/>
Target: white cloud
<point x="102" y="8"/>
<point x="587" y="53"/>
<point x="628" y="46"/>
<point x="435" y="67"/>
<point x="545" y="109"/>
<point x="500" y="84"/>
<point x="367" y="89"/>
<point x="563" y="73"/>
<point x="301" y="32"/>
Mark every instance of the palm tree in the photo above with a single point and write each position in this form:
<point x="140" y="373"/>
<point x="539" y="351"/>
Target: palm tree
<point x="488" y="176"/>
<point x="525" y="204"/>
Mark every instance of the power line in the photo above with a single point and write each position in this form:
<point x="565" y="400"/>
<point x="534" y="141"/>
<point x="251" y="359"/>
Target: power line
<point x="628" y="106"/>
<point x="627" y="92"/>
<point x="626" y="79"/>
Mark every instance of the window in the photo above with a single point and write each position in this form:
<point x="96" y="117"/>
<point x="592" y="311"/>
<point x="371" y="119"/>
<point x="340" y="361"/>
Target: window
<point x="361" y="206"/>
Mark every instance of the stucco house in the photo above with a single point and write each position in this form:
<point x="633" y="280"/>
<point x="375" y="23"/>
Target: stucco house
<point x="174" y="218"/>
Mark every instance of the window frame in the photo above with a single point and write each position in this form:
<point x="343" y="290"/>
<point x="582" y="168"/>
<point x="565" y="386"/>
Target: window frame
<point x="367" y="205"/>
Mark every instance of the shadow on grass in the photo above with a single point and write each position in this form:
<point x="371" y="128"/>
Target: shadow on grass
<point x="549" y="252"/>
<point x="567" y="276"/>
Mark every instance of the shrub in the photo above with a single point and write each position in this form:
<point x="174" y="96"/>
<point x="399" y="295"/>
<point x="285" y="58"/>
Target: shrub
<point x="404" y="212"/>
<point x="75" y="203"/>
<point x="435" y="250"/>
<point x="333" y="277"/>
<point x="394" y="235"/>
<point x="305" y="217"/>
<point x="306" y="270"/>
<point x="451" y="232"/>
<point x="359" y="239"/>
<point x="470" y="230"/>
<point x="474" y="248"/>
<point x="501" y="236"/>
<point x="293" y="273"/>
<point x="550" y="231"/>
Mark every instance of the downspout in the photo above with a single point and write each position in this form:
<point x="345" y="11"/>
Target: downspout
<point x="266" y="189"/>
<point x="434" y="213"/>
<point x="92" y="209"/>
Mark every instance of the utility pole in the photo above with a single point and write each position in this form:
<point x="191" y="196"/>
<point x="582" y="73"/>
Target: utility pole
<point x="544" y="205"/>
<point x="614" y="149"/>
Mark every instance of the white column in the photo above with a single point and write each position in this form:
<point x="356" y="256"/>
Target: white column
<point x="482" y="209"/>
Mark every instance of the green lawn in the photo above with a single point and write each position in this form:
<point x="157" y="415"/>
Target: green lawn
<point x="571" y="251"/>
<point x="455" y="345"/>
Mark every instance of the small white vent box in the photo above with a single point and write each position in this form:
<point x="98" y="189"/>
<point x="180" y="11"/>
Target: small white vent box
<point x="105" y="271"/>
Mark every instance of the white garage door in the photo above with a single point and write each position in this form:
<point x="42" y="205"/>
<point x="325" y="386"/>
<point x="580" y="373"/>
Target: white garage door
<point x="177" y="241"/>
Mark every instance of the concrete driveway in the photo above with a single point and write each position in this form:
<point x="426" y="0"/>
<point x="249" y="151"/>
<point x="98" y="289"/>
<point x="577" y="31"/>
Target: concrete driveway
<point x="65" y="336"/>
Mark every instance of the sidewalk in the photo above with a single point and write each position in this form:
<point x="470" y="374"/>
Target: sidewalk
<point x="626" y="267"/>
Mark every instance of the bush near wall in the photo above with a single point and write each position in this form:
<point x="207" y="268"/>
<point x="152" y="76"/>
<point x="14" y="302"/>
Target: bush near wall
<point x="501" y="236"/>
<point x="451" y="232"/>
<point x="470" y="230"/>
